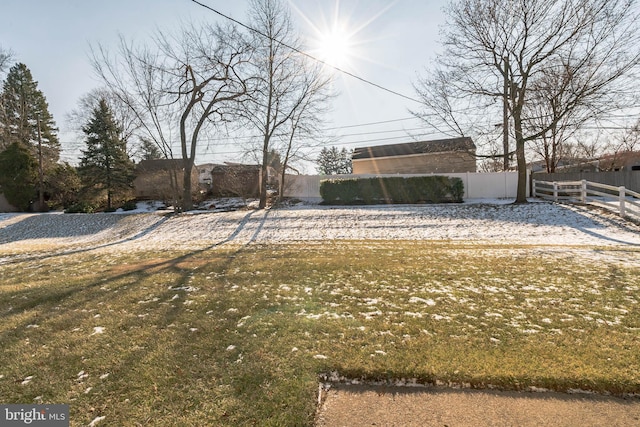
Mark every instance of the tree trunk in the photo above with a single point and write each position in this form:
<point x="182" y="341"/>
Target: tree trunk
<point x="187" y="200"/>
<point x="505" y="116"/>
<point x="521" y="193"/>
<point x="264" y="175"/>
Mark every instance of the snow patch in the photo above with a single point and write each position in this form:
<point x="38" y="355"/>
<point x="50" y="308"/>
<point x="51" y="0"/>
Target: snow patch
<point x="540" y="223"/>
<point x="416" y="300"/>
<point x="95" y="421"/>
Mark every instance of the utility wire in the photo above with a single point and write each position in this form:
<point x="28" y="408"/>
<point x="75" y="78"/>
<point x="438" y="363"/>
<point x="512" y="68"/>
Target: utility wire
<point x="308" y="55"/>
<point x="374" y="123"/>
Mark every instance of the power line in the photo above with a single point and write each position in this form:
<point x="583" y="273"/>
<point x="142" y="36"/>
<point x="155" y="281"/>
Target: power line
<point x="374" y="123"/>
<point x="308" y="55"/>
<point x="247" y="137"/>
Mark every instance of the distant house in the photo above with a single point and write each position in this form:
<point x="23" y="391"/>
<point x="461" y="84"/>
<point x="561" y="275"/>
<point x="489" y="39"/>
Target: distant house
<point x="239" y="180"/>
<point x="624" y="160"/>
<point x="159" y="179"/>
<point x="621" y="161"/>
<point x="456" y="155"/>
<point x="204" y="174"/>
<point x="235" y="180"/>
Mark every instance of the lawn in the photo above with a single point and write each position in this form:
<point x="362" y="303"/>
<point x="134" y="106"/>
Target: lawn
<point x="241" y="335"/>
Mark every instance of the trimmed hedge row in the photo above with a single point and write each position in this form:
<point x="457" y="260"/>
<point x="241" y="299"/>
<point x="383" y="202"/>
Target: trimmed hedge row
<point x="419" y="189"/>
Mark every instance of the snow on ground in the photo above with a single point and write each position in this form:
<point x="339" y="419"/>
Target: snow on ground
<point x="486" y="221"/>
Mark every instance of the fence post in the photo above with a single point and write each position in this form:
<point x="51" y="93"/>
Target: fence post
<point x="555" y="191"/>
<point x="583" y="195"/>
<point x="534" y="188"/>
<point x="622" y="201"/>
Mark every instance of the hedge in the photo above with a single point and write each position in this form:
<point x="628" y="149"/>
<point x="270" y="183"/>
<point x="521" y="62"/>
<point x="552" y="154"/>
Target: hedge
<point x="418" y="189"/>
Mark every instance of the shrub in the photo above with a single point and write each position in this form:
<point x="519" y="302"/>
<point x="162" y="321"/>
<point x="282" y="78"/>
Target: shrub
<point x="328" y="191"/>
<point x="420" y="189"/>
<point x="129" y="205"/>
<point x="456" y="190"/>
<point x="369" y="190"/>
<point x="80" y="207"/>
<point x="18" y="176"/>
<point x="348" y="190"/>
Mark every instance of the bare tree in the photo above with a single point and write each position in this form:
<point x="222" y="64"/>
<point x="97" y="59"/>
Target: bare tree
<point x="128" y="123"/>
<point x="304" y="123"/>
<point x="6" y="56"/>
<point x="622" y="149"/>
<point x="595" y="43"/>
<point x="182" y="85"/>
<point x="287" y="86"/>
<point x="630" y="140"/>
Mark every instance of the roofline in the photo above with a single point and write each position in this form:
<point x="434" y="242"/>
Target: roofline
<point x="413" y="155"/>
<point x="368" y="150"/>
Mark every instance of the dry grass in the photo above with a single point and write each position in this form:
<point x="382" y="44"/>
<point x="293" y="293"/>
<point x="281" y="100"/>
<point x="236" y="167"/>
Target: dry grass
<point x="238" y="336"/>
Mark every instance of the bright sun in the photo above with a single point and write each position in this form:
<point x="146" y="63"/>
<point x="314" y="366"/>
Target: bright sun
<point x="335" y="47"/>
<point x="336" y="34"/>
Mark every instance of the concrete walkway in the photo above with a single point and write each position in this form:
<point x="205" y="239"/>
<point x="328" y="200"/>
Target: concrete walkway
<point x="352" y="406"/>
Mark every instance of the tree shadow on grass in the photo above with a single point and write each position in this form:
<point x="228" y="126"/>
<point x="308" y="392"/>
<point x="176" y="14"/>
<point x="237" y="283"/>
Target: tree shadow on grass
<point x="126" y="352"/>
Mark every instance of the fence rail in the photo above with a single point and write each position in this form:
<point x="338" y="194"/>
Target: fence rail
<point x="620" y="199"/>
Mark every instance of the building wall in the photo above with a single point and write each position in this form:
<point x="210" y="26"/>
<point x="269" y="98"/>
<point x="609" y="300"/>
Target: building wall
<point x="156" y="185"/>
<point x="450" y="162"/>
<point x="236" y="181"/>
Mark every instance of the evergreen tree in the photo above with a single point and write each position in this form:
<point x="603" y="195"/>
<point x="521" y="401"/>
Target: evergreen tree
<point x="18" y="176"/>
<point x="105" y="165"/>
<point x="332" y="161"/>
<point x="25" y="117"/>
<point x="149" y="150"/>
<point x="63" y="186"/>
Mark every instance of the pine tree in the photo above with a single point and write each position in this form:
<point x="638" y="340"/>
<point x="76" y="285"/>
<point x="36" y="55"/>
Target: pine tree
<point x="105" y="165"/>
<point x="331" y="161"/>
<point x="25" y="117"/>
<point x="149" y="150"/>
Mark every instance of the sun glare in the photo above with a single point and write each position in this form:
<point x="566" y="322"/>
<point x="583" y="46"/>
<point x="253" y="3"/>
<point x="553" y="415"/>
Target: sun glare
<point x="335" y="47"/>
<point x="337" y="33"/>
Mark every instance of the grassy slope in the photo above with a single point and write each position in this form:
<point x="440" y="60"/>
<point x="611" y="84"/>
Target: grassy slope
<point x="238" y="336"/>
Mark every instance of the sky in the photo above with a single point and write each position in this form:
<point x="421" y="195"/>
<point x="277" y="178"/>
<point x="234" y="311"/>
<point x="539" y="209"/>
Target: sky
<point x="390" y="44"/>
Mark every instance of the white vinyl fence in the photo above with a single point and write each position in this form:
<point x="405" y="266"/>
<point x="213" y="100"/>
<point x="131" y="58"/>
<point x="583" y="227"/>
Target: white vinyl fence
<point x="620" y="199"/>
<point x="501" y="185"/>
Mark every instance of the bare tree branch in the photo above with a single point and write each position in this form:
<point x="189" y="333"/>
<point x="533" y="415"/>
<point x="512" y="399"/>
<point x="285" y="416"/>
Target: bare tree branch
<point x="180" y="85"/>
<point x="569" y="56"/>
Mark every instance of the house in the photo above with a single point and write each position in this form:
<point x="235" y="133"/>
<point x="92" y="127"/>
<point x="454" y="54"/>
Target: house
<point x="239" y="180"/>
<point x="567" y="166"/>
<point x="204" y="174"/>
<point x="621" y="161"/>
<point x="624" y="160"/>
<point x="455" y="155"/>
<point x="159" y="179"/>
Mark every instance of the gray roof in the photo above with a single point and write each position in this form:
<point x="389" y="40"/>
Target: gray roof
<point x="421" y="147"/>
